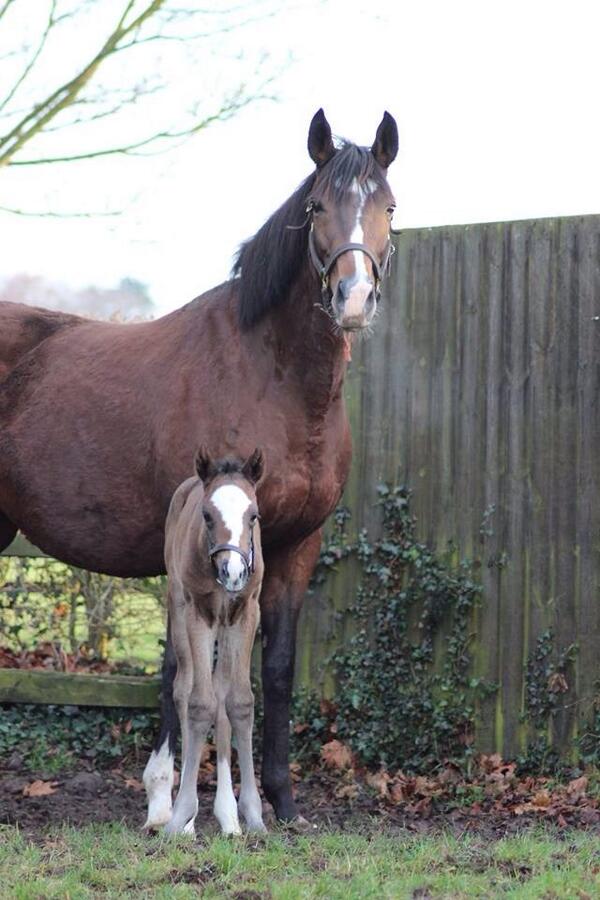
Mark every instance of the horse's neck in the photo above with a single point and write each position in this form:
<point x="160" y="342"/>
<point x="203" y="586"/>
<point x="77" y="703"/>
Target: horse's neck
<point x="304" y="339"/>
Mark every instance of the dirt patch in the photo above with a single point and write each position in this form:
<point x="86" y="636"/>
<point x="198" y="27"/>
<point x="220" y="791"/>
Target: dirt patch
<point x="89" y="795"/>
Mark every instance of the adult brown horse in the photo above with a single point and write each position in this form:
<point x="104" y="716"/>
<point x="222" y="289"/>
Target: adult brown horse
<point x="99" y="422"/>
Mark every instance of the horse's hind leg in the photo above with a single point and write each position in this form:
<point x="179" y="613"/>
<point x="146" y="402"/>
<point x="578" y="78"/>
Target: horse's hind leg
<point x="8" y="532"/>
<point x="159" y="772"/>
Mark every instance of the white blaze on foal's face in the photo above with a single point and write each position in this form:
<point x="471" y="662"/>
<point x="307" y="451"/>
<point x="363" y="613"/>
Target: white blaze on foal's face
<point x="231" y="504"/>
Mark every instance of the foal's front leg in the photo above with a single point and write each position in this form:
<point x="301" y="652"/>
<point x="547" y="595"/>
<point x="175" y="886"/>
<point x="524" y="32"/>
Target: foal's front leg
<point x="240" y="708"/>
<point x="225" y="807"/>
<point x="196" y="707"/>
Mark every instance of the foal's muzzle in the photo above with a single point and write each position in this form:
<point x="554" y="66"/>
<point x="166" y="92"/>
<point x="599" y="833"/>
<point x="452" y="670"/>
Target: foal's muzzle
<point x="232" y="571"/>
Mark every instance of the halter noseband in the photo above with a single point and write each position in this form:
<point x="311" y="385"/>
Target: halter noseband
<point x="380" y="269"/>
<point x="247" y="558"/>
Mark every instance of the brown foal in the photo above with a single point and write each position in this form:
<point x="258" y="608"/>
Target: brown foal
<point x="215" y="567"/>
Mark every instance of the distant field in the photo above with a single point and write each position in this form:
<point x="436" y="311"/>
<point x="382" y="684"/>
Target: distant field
<point x="112" y="861"/>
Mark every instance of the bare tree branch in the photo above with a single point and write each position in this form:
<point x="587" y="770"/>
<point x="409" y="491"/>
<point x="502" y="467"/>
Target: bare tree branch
<point x="38" y="52"/>
<point x="52" y="214"/>
<point x="128" y="33"/>
<point x="4" y="6"/>
<point x="63" y="96"/>
<point x="130" y="149"/>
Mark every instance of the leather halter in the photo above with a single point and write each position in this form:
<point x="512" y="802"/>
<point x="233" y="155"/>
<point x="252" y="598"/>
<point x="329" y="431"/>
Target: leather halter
<point x="247" y="558"/>
<point x="380" y="268"/>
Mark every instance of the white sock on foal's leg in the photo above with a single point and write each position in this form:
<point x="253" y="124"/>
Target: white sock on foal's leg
<point x="158" y="781"/>
<point x="225" y="807"/>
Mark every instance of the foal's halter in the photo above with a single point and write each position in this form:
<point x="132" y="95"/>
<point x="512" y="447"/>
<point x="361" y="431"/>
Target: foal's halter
<point x="380" y="268"/>
<point x="247" y="558"/>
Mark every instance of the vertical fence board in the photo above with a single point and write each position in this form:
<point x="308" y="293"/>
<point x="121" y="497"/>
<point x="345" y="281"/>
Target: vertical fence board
<point x="479" y="389"/>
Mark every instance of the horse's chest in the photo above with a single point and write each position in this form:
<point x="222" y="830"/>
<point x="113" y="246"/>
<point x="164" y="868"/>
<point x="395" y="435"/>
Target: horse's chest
<point x="299" y="502"/>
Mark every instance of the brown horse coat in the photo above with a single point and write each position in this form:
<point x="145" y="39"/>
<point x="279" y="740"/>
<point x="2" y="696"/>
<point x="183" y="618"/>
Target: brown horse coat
<point x="99" y="422"/>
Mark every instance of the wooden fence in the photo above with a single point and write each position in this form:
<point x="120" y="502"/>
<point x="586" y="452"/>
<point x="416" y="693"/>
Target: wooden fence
<point x="479" y="389"/>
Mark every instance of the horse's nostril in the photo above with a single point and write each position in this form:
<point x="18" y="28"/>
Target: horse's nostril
<point x="225" y="569"/>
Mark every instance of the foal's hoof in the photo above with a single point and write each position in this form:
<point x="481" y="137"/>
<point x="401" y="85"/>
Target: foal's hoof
<point x="189" y="829"/>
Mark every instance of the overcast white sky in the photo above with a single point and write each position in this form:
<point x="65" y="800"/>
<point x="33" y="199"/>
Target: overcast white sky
<point x="496" y="102"/>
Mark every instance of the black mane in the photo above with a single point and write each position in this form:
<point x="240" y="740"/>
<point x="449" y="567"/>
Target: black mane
<point x="269" y="263"/>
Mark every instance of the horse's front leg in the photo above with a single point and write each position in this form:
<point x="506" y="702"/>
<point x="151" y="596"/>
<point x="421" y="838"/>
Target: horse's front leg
<point x="287" y="573"/>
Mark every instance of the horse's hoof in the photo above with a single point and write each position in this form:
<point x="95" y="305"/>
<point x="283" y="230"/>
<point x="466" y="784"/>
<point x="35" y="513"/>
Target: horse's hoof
<point x="299" y="825"/>
<point x="257" y="828"/>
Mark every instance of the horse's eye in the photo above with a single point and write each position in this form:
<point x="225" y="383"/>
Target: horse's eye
<point x="390" y="211"/>
<point x="207" y="518"/>
<point x="314" y="206"/>
<point x="253" y="518"/>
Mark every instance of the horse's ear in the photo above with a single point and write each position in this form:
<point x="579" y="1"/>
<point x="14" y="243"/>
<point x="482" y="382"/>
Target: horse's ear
<point x="254" y="467"/>
<point x="204" y="463"/>
<point x="320" y="143"/>
<point x="385" y="147"/>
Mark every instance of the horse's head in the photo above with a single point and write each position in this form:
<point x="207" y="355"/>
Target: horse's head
<point x="230" y="514"/>
<point x="350" y="207"/>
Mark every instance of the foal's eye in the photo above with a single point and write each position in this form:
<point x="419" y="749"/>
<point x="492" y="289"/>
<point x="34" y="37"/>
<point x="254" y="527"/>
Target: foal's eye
<point x="253" y="518"/>
<point x="390" y="211"/>
<point x="207" y="518"/>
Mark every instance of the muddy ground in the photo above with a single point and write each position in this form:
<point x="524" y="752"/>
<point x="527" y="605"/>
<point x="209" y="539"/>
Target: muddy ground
<point x="87" y="795"/>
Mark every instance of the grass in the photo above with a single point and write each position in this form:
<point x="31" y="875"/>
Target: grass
<point x="113" y="861"/>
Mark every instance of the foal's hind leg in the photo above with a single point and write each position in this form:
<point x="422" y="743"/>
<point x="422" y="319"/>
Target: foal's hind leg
<point x="194" y="644"/>
<point x="159" y="771"/>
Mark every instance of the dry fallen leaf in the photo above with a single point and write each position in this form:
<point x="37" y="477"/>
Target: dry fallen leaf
<point x="336" y="755"/>
<point x="40" y="788"/>
<point x="557" y="683"/>
<point x="379" y="781"/>
<point x="295" y="771"/>
<point x="577" y="788"/>
<point x="134" y="784"/>
<point x="347" y="792"/>
<point x="397" y="792"/>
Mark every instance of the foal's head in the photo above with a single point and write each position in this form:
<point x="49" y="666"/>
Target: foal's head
<point x="350" y="207"/>
<point x="230" y="514"/>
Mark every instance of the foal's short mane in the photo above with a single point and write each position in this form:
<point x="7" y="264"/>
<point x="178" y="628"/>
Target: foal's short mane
<point x="230" y="465"/>
<point x="269" y="263"/>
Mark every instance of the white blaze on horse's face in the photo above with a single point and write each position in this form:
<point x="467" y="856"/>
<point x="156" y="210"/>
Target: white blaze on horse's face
<point x="232" y="503"/>
<point x="362" y="217"/>
<point x="359" y="302"/>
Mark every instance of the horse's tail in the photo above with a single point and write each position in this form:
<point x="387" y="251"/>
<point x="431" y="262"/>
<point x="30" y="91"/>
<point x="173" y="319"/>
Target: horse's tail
<point x="23" y="327"/>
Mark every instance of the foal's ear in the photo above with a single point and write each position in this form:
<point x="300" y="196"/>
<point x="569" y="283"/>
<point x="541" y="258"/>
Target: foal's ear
<point x="385" y="147"/>
<point x="254" y="467"/>
<point x="204" y="463"/>
<point x="320" y="143"/>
